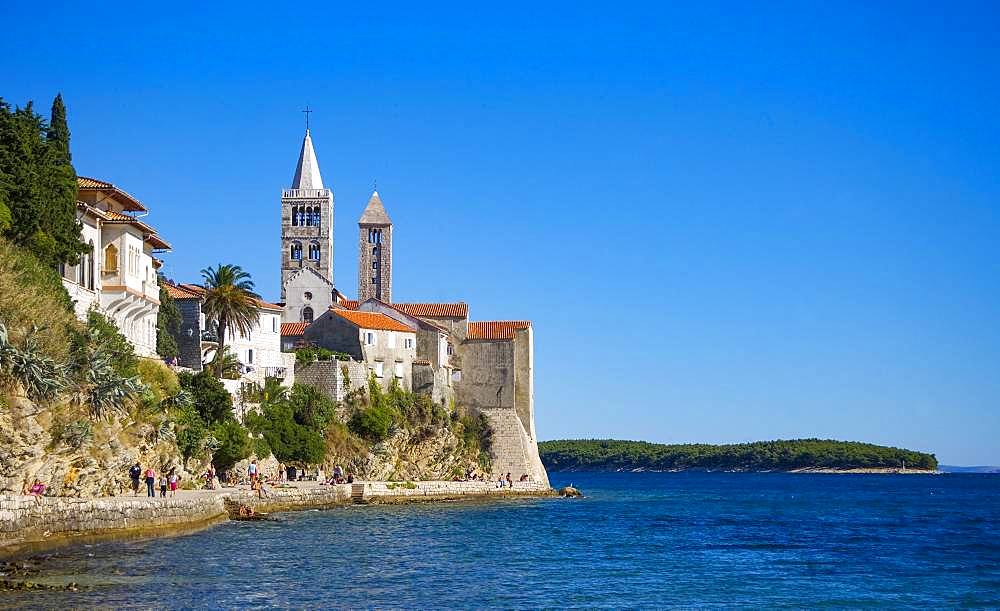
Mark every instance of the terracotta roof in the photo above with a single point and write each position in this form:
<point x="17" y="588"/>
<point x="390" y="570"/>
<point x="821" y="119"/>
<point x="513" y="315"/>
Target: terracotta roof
<point x="350" y="304"/>
<point x="372" y="320"/>
<point x="496" y="329"/>
<point x="441" y="310"/>
<point x="293" y="328"/>
<point x="200" y="291"/>
<point x="92" y="184"/>
<point x="110" y="216"/>
<point x="177" y="292"/>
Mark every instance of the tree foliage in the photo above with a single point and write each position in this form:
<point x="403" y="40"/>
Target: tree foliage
<point x="38" y="186"/>
<point x="233" y="444"/>
<point x="168" y="324"/>
<point x="780" y="455"/>
<point x="230" y="301"/>
<point x="211" y="400"/>
<point x="293" y="424"/>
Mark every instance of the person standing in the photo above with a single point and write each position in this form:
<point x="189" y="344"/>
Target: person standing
<point x="172" y="480"/>
<point x="510" y="482"/>
<point x="150" y="482"/>
<point x="252" y="472"/>
<point x="135" y="473"/>
<point x="163" y="486"/>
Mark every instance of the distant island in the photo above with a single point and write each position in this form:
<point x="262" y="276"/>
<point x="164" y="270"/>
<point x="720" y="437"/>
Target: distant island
<point x="792" y="455"/>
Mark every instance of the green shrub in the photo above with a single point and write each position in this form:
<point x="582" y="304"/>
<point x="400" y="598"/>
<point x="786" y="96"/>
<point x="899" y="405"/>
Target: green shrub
<point x="233" y="445"/>
<point x="210" y="397"/>
<point x="104" y="333"/>
<point x="373" y="423"/>
<point x="74" y="434"/>
<point x="311" y="354"/>
<point x="160" y="379"/>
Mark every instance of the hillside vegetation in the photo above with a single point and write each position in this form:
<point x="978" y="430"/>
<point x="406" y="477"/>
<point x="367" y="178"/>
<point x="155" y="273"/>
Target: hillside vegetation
<point x="780" y="455"/>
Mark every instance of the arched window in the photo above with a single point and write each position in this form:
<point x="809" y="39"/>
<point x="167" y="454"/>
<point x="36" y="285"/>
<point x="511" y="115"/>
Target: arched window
<point x="307" y="314"/>
<point x="295" y="218"/>
<point x="314" y="251"/>
<point x="111" y="259"/>
<point x="300" y="215"/>
<point x="296" y="251"/>
<point x="315" y="216"/>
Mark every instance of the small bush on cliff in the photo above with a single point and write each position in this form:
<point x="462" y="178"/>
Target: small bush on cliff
<point x="104" y="333"/>
<point x="233" y="445"/>
<point x="292" y="424"/>
<point x="160" y="379"/>
<point x="211" y="399"/>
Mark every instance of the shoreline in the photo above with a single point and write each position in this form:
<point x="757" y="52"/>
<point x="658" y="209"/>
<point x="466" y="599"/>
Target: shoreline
<point x="803" y="470"/>
<point x="30" y="526"/>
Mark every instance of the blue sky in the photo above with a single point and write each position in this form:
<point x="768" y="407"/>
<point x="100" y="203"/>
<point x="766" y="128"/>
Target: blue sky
<point x="728" y="222"/>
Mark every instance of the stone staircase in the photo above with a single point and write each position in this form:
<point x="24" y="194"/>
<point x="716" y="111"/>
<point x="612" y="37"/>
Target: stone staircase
<point x="358" y="494"/>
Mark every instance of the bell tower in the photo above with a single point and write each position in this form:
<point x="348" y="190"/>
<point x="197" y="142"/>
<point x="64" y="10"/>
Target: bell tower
<point x="306" y="220"/>
<point x="375" y="252"/>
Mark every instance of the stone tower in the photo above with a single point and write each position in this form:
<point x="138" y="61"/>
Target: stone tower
<point x="306" y="220"/>
<point x="375" y="252"/>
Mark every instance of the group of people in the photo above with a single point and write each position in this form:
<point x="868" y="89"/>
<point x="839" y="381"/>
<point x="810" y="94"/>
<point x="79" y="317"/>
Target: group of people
<point x="338" y="477"/>
<point x="167" y="481"/>
<point x="501" y="480"/>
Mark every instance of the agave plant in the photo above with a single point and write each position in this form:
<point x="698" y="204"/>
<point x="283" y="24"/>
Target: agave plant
<point x="40" y="376"/>
<point x="180" y="400"/>
<point x="99" y="385"/>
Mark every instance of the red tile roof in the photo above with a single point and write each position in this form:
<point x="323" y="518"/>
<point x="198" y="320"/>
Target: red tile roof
<point x="92" y="184"/>
<point x="177" y="292"/>
<point x="372" y="320"/>
<point x="350" y="304"/>
<point x="264" y="305"/>
<point x="434" y="310"/>
<point x="293" y="328"/>
<point x="496" y="329"/>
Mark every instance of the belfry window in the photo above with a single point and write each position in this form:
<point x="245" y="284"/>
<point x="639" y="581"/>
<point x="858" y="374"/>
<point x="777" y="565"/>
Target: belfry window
<point x="295" y="217"/>
<point x="296" y="251"/>
<point x="374" y="236"/>
<point x="314" y="251"/>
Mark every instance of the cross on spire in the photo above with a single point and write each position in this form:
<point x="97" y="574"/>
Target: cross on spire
<point x="307" y="111"/>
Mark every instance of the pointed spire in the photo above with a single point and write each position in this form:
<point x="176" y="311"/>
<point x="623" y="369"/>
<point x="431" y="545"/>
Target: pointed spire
<point x="375" y="213"/>
<point x="307" y="171"/>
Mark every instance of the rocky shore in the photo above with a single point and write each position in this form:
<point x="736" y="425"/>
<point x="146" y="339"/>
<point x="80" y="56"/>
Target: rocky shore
<point x="27" y="524"/>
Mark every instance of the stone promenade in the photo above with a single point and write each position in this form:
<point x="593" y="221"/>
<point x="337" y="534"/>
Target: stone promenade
<point x="27" y="523"/>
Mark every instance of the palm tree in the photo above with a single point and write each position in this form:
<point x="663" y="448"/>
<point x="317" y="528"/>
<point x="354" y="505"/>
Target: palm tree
<point x="231" y="302"/>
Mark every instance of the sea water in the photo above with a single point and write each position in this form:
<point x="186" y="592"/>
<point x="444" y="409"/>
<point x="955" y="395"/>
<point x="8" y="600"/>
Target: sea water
<point x="650" y="540"/>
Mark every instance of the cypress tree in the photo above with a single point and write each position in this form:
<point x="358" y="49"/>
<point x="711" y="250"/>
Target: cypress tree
<point x="168" y="323"/>
<point x="60" y="190"/>
<point x="38" y="184"/>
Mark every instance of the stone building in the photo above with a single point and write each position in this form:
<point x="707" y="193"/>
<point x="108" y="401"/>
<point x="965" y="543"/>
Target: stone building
<point x="306" y="231"/>
<point x="386" y="346"/>
<point x="118" y="274"/>
<point x="432" y="369"/>
<point x="259" y="353"/>
<point x="431" y="348"/>
<point x="375" y="252"/>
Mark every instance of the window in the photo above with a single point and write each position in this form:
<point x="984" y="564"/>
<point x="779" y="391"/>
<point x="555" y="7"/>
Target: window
<point x="250" y="356"/>
<point x="111" y="259"/>
<point x="451" y="350"/>
<point x="274" y="324"/>
<point x="398" y="370"/>
<point x="369" y="338"/>
<point x="296" y="251"/>
<point x="314" y="251"/>
<point x="91" y="263"/>
<point x="378" y="369"/>
<point x="408" y="342"/>
<point x="307" y="295"/>
<point x="307" y="314"/>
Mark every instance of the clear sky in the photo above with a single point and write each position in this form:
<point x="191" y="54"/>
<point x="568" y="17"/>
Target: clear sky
<point x="728" y="221"/>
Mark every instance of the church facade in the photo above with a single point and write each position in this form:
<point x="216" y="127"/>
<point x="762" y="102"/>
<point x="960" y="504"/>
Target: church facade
<point x="430" y="348"/>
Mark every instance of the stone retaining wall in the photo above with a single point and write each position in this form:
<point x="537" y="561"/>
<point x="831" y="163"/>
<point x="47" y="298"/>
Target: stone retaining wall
<point x="26" y="522"/>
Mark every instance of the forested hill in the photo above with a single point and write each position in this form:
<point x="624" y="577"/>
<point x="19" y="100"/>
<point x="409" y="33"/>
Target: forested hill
<point x="781" y="455"/>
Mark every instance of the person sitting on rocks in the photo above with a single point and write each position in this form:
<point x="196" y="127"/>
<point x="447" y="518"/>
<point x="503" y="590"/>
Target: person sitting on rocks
<point x="510" y="482"/>
<point x="350" y="478"/>
<point x="524" y="478"/>
<point x="37" y="490"/>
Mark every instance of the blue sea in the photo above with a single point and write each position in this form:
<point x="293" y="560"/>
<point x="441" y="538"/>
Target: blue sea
<point x="651" y="540"/>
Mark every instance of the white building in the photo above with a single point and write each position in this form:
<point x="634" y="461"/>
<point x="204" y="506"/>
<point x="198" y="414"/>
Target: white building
<point x="258" y="352"/>
<point x="118" y="274"/>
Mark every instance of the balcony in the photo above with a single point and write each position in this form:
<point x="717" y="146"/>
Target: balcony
<point x="306" y="193"/>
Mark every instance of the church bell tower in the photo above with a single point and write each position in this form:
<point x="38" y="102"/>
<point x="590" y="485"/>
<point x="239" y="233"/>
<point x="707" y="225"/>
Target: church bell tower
<point x="306" y="220"/>
<point x="375" y="252"/>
